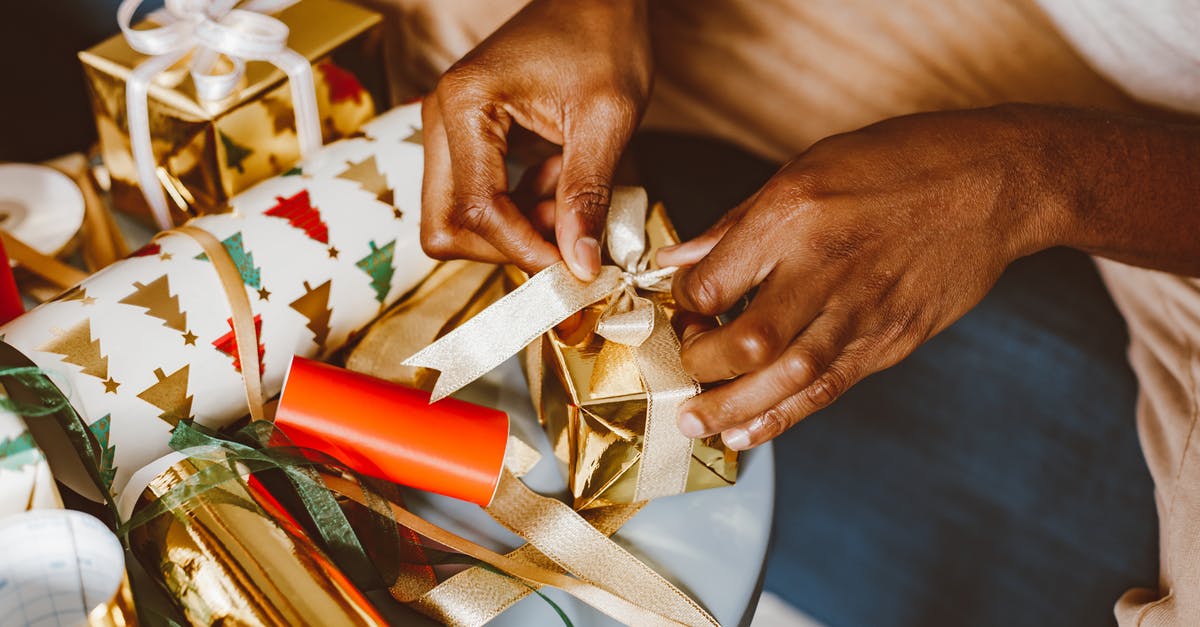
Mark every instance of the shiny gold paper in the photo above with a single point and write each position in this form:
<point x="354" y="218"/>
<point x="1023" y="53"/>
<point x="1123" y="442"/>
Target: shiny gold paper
<point x="208" y="152"/>
<point x="451" y="294"/>
<point x="592" y="403"/>
<point x="229" y="558"/>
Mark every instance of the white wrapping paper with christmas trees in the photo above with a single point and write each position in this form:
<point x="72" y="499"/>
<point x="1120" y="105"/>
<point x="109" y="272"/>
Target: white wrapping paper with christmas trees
<point x="147" y="342"/>
<point x="25" y="481"/>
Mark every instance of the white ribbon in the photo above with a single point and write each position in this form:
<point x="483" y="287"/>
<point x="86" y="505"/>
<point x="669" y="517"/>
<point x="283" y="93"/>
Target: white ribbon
<point x="210" y="29"/>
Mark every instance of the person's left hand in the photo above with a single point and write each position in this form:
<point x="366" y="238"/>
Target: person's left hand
<point x="862" y="248"/>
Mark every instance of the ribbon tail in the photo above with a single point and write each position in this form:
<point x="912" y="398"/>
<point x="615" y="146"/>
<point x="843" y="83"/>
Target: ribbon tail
<point x="137" y="114"/>
<point x="510" y="324"/>
<point x="666" y="453"/>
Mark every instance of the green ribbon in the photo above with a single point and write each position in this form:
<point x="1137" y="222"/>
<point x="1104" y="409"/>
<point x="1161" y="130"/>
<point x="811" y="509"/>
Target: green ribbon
<point x="32" y="394"/>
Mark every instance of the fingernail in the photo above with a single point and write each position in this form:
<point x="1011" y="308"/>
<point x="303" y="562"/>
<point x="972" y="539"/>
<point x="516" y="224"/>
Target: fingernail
<point x="690" y="425"/>
<point x="736" y="439"/>
<point x="587" y="257"/>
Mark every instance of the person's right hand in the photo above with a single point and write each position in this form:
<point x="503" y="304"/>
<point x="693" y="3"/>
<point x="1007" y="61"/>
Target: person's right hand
<point x="576" y="73"/>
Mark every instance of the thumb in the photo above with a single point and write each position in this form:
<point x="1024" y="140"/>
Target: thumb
<point x="693" y="250"/>
<point x="590" y="156"/>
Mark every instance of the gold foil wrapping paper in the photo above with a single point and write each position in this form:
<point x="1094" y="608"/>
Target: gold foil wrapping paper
<point x="592" y="404"/>
<point x="451" y="294"/>
<point x="208" y="152"/>
<point x="228" y="557"/>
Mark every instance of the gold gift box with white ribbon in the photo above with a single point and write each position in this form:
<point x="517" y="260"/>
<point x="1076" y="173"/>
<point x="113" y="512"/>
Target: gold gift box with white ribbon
<point x="205" y="152"/>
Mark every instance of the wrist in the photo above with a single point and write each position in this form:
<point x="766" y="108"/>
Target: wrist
<point x="1040" y="200"/>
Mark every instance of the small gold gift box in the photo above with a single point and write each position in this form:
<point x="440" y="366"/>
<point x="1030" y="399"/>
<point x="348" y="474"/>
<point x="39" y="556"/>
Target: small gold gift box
<point x="207" y="152"/>
<point x="592" y="404"/>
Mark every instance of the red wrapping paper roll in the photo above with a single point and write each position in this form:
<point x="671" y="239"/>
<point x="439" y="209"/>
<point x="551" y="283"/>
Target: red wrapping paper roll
<point x="391" y="432"/>
<point x="10" y="299"/>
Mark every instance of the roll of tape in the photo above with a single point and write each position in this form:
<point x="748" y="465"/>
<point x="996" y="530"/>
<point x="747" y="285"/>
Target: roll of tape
<point x="40" y="206"/>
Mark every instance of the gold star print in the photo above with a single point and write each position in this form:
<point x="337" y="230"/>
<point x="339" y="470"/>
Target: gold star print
<point x="263" y="294"/>
<point x="88" y="300"/>
<point x="396" y="213"/>
<point x="165" y="256"/>
<point x="333" y="253"/>
<point x="111" y="386"/>
<point x="189" y="338"/>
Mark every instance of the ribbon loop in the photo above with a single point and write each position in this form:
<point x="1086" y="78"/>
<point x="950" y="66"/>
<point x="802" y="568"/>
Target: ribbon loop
<point x="209" y="29"/>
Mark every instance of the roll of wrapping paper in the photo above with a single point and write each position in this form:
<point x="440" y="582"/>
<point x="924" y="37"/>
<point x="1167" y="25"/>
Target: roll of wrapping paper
<point x="227" y="557"/>
<point x="148" y="341"/>
<point x="62" y="567"/>
<point x="391" y="432"/>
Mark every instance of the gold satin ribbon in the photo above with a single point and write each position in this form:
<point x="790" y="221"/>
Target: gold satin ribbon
<point x="240" y="313"/>
<point x="629" y="319"/>
<point x="613" y="605"/>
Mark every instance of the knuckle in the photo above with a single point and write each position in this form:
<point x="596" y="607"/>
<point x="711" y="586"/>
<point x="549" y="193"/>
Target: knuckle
<point x="702" y="291"/>
<point x="589" y="197"/>
<point x="797" y="369"/>
<point x="828" y="388"/>
<point x="756" y="346"/>
<point x="473" y="214"/>
<point x="439" y="245"/>
<point x="618" y="109"/>
<point x="774" y="421"/>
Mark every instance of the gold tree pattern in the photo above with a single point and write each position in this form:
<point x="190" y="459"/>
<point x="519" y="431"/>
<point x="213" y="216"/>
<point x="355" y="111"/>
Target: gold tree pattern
<point x="159" y="303"/>
<point x="314" y="305"/>
<point x="78" y="348"/>
<point x="170" y="395"/>
<point x="366" y="173"/>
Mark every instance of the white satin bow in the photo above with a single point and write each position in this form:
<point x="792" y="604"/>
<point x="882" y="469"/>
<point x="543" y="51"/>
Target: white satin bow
<point x="209" y="29"/>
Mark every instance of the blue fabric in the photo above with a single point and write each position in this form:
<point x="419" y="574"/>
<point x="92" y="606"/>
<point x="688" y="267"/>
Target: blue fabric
<point x="992" y="478"/>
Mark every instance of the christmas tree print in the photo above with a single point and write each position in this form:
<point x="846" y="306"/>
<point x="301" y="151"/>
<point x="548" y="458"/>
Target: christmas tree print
<point x="159" y="303"/>
<point x="228" y="344"/>
<point x="343" y="85"/>
<point x="78" y="293"/>
<point x="100" y="429"/>
<point x="235" y="153"/>
<point x="300" y="213"/>
<point x="416" y="137"/>
<point x="314" y="305"/>
<point x="242" y="258"/>
<point x="19" y="452"/>
<point x="366" y="173"/>
<point x="78" y="348"/>
<point x="170" y="395"/>
<point x="378" y="265"/>
<point x="147" y="250"/>
<point x="283" y="116"/>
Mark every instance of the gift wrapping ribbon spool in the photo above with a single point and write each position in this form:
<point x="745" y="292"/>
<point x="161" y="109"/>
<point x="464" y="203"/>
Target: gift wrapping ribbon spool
<point x="209" y="29"/>
<point x="629" y="319"/>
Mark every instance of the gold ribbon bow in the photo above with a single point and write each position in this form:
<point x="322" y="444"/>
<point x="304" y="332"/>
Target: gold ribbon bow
<point x="630" y="319"/>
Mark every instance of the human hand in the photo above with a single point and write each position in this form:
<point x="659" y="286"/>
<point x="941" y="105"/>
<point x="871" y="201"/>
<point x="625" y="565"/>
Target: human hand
<point x="862" y="248"/>
<point x="577" y="74"/>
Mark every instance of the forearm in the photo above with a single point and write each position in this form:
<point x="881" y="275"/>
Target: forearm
<point x="1121" y="187"/>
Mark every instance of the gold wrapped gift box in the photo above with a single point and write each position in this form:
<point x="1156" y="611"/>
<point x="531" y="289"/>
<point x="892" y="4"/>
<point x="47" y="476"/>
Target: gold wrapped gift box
<point x="592" y="404"/>
<point x="208" y="152"/>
